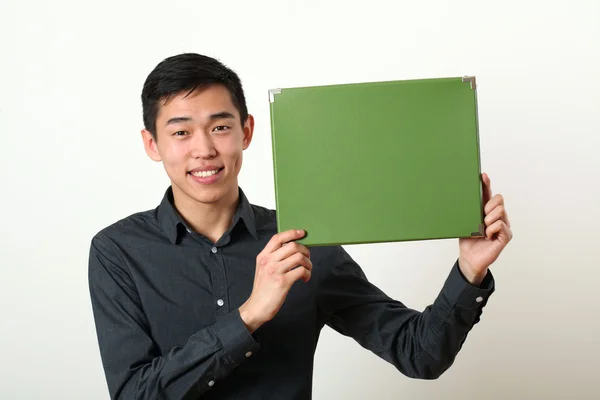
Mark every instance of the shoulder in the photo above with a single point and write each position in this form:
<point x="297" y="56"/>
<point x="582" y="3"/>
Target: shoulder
<point x="332" y="257"/>
<point x="265" y="219"/>
<point x="133" y="229"/>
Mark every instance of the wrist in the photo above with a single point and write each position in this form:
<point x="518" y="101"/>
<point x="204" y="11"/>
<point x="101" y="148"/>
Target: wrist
<point x="473" y="277"/>
<point x="248" y="317"/>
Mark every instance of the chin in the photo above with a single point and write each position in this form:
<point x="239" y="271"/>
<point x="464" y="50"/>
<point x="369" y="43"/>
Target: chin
<point x="208" y="198"/>
<point x="211" y="195"/>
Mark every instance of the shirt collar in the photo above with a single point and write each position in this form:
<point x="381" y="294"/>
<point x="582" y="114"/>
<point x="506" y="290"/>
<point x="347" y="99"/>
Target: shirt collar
<point x="246" y="213"/>
<point x="171" y="222"/>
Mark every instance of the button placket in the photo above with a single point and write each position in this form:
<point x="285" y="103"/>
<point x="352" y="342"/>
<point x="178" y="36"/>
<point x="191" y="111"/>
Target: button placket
<point x="220" y="288"/>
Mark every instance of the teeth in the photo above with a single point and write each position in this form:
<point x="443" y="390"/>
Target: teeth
<point x="205" y="174"/>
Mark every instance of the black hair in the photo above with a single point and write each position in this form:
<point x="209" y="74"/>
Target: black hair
<point x="185" y="73"/>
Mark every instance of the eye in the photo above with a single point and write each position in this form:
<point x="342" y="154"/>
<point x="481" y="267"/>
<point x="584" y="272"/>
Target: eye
<point x="180" y="133"/>
<point x="221" y="128"/>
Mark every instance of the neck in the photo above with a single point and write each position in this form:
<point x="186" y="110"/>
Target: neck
<point x="211" y="220"/>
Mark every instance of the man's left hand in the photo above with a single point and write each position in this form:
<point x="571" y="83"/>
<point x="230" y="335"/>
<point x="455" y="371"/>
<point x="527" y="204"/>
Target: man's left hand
<point x="477" y="254"/>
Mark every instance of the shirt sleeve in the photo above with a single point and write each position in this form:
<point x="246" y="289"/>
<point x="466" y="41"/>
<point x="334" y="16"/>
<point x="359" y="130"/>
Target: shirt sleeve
<point x="133" y="365"/>
<point x="421" y="345"/>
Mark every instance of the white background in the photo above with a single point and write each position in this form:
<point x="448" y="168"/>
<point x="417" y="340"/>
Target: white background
<point x="72" y="162"/>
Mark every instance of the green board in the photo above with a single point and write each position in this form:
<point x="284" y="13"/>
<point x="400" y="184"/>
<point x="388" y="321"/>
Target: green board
<point x="378" y="161"/>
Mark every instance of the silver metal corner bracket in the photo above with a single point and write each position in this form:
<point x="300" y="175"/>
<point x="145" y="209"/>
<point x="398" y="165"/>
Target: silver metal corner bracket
<point x="480" y="232"/>
<point x="470" y="79"/>
<point x="272" y="93"/>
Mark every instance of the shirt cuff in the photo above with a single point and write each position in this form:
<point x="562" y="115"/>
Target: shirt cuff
<point x="237" y="341"/>
<point x="461" y="292"/>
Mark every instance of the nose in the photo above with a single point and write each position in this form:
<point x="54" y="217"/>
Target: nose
<point x="202" y="146"/>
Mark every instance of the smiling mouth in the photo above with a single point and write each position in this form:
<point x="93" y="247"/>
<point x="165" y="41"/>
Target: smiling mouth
<point x="206" y="174"/>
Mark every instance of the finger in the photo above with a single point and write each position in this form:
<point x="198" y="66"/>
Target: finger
<point x="281" y="238"/>
<point x="487" y="188"/>
<point x="496" y="201"/>
<point x="289" y="249"/>
<point x="492" y="229"/>
<point x="295" y="260"/>
<point x="298" y="273"/>
<point x="497" y="213"/>
<point x="500" y="230"/>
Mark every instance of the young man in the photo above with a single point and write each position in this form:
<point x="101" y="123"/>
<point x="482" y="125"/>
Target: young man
<point x="202" y="298"/>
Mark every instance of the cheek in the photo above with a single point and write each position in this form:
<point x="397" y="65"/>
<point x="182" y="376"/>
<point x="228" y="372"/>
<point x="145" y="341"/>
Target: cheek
<point x="238" y="161"/>
<point x="237" y="157"/>
<point x="173" y="156"/>
<point x="232" y="152"/>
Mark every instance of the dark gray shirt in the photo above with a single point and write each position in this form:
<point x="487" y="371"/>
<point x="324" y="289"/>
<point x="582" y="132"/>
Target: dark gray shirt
<point x="166" y="299"/>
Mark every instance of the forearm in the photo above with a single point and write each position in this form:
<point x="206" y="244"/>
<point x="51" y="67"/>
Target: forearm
<point x="427" y="344"/>
<point x="209" y="356"/>
<point x="420" y="344"/>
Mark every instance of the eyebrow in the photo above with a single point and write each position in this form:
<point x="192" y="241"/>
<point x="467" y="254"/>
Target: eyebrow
<point x="221" y="115"/>
<point x="212" y="117"/>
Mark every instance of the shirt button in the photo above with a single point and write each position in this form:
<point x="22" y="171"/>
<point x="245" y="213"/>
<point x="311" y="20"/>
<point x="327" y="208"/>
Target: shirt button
<point x="211" y="383"/>
<point x="479" y="299"/>
<point x="214" y="249"/>
<point x="189" y="230"/>
<point x="248" y="354"/>
<point x="220" y="302"/>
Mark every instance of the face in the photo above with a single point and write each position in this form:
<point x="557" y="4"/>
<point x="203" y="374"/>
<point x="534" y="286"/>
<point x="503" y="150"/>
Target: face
<point x="200" y="140"/>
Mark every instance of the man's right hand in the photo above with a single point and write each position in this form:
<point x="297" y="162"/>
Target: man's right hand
<point x="275" y="273"/>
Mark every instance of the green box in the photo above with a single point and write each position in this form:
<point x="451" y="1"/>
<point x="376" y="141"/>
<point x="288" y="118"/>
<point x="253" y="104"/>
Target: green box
<point x="378" y="161"/>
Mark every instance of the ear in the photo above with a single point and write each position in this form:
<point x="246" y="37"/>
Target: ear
<point x="248" y="131"/>
<point x="150" y="145"/>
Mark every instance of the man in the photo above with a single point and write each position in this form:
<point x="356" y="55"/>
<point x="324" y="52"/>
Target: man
<point x="202" y="298"/>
